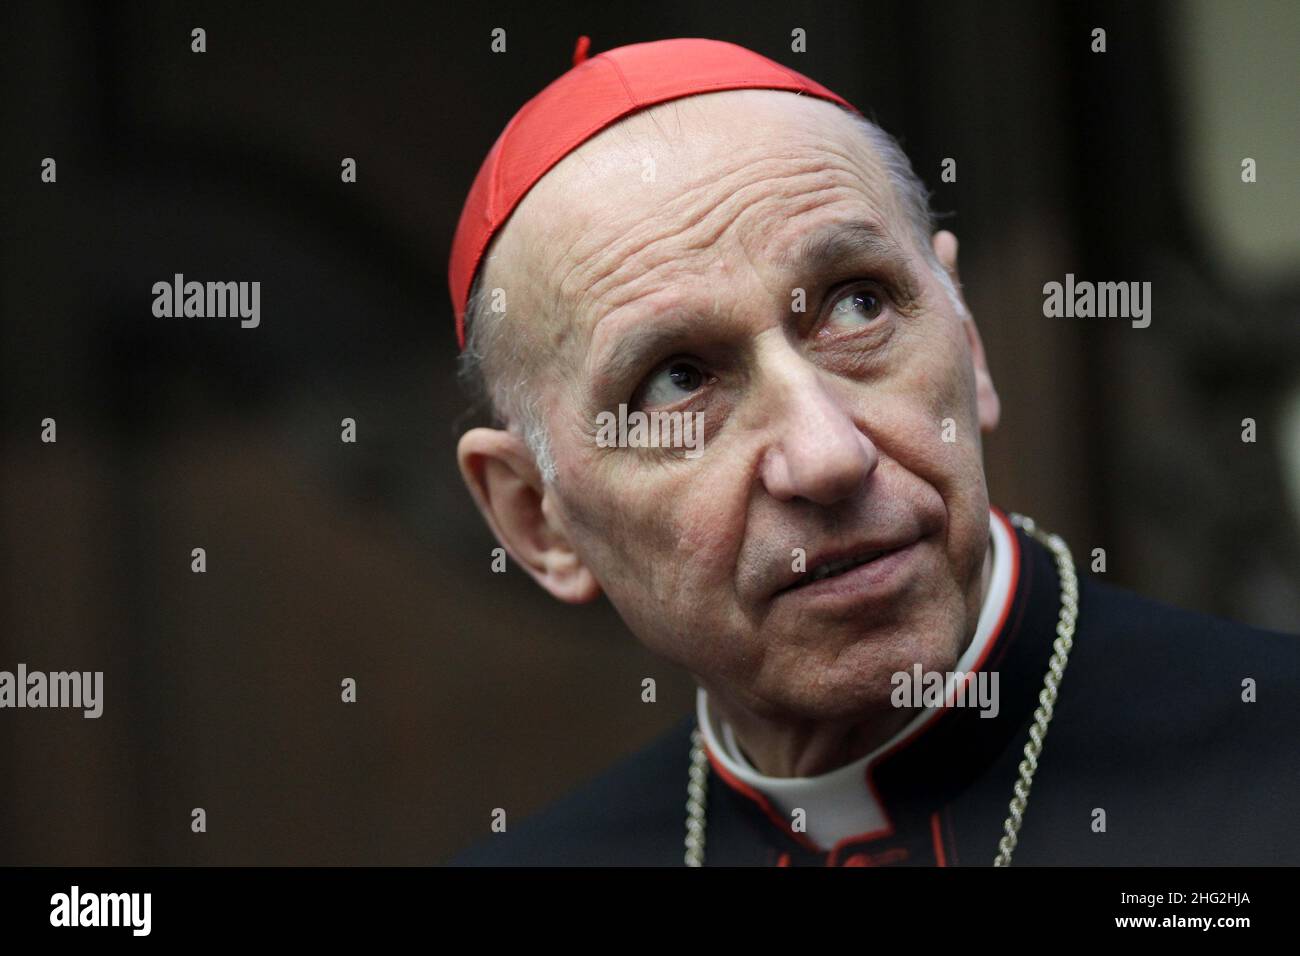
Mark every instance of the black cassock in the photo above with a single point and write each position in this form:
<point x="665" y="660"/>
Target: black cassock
<point x="1150" y="726"/>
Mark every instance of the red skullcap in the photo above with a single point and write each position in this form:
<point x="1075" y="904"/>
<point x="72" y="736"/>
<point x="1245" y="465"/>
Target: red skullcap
<point x="594" y="94"/>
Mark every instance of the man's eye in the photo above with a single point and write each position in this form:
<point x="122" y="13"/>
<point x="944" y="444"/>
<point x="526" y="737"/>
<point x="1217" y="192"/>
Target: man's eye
<point x="672" y="382"/>
<point x="859" y="307"/>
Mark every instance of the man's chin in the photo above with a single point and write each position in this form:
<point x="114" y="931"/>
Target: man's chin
<point x="860" y="683"/>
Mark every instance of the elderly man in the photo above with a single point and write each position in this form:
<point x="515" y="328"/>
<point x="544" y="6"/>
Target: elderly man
<point x="890" y="670"/>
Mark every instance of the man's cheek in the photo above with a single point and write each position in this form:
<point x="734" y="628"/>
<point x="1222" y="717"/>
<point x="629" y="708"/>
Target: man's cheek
<point x="687" y="559"/>
<point x="682" y="521"/>
<point x="703" y="557"/>
<point x="629" y="532"/>
<point x="934" y="393"/>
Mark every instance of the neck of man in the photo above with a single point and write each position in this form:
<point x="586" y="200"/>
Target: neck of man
<point x="785" y="748"/>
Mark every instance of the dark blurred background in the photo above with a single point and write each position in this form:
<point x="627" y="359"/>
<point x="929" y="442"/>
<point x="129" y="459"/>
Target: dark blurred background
<point x="329" y="560"/>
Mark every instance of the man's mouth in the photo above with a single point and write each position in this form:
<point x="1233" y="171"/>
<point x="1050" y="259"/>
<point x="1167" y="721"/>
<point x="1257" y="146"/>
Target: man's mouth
<point x="831" y="569"/>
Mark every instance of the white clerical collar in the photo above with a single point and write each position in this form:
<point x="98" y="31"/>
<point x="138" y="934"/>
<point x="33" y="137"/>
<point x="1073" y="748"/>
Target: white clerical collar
<point x="839" y="804"/>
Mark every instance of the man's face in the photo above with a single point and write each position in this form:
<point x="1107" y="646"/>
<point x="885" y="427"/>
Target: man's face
<point x="658" y="266"/>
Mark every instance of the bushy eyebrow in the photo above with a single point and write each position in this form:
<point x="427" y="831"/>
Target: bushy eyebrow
<point x="830" y="248"/>
<point x="624" y="358"/>
<point x="815" y="259"/>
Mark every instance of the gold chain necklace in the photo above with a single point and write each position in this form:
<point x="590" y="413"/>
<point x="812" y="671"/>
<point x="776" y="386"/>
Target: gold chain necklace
<point x="698" y="776"/>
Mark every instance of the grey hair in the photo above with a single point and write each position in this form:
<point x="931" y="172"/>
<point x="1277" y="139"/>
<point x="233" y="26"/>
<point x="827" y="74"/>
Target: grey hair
<point x="914" y="199"/>
<point x="490" y="362"/>
<point x="488" y="370"/>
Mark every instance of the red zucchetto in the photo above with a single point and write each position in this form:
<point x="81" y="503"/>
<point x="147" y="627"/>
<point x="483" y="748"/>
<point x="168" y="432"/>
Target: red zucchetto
<point x="594" y="94"/>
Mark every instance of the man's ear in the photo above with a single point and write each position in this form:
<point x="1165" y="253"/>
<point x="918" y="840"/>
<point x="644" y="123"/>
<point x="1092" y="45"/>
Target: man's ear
<point x="502" y="476"/>
<point x="986" y="396"/>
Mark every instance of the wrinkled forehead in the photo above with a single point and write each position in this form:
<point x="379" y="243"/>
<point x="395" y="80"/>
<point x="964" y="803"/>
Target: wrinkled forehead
<point x="659" y="201"/>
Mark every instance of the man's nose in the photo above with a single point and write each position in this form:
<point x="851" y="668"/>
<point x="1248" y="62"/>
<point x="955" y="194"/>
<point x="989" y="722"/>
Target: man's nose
<point x="817" y="451"/>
